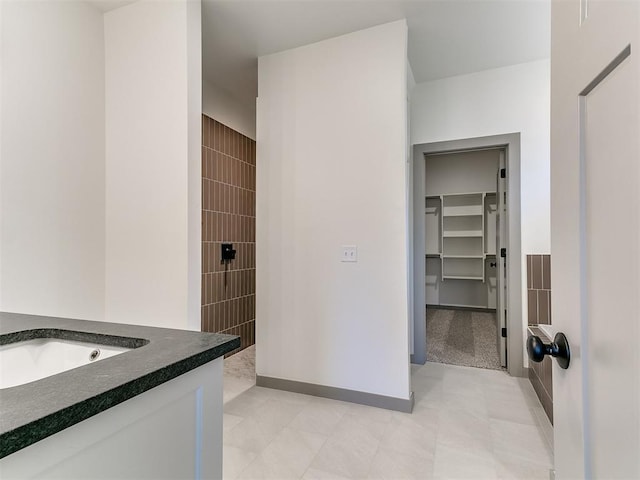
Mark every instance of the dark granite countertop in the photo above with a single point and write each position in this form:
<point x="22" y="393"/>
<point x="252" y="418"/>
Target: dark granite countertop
<point x="36" y="410"/>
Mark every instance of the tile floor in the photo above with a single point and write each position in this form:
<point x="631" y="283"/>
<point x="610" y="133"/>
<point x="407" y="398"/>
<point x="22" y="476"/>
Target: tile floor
<point x="467" y="423"/>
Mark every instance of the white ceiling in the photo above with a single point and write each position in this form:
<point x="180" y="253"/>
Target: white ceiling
<point x="446" y="37"/>
<point x="107" y="5"/>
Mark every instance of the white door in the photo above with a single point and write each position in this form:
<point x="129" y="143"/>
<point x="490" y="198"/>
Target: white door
<point x="501" y="263"/>
<point x="595" y="235"/>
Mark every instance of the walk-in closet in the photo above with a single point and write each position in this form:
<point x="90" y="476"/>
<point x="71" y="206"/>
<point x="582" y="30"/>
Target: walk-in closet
<point x="462" y="236"/>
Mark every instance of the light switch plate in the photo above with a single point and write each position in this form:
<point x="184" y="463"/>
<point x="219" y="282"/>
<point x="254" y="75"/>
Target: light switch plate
<point x="349" y="253"/>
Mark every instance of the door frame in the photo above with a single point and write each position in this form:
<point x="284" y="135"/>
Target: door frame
<point x="515" y="337"/>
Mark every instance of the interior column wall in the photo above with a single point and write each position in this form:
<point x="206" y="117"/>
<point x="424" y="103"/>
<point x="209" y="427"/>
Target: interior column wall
<point x="153" y="165"/>
<point x="331" y="171"/>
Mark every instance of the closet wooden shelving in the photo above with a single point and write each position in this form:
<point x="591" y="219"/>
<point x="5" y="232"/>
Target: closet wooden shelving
<point x="459" y="232"/>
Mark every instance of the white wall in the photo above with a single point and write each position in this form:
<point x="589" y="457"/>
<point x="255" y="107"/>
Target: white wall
<point x="493" y="102"/>
<point x="331" y="172"/>
<point x="152" y="85"/>
<point x="462" y="172"/>
<point x="223" y="107"/>
<point x="52" y="159"/>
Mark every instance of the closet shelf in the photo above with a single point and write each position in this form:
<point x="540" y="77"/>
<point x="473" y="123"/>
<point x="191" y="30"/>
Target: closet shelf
<point x="460" y="277"/>
<point x="462" y="211"/>
<point x="463" y="233"/>
<point x="479" y="257"/>
<point x="433" y="255"/>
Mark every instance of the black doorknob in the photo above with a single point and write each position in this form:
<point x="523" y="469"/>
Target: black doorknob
<point x="559" y="349"/>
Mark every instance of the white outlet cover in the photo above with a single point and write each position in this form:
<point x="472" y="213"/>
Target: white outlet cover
<point x="349" y="253"/>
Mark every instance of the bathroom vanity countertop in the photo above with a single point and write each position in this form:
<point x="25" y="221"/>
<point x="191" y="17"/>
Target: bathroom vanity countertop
<point x="36" y="410"/>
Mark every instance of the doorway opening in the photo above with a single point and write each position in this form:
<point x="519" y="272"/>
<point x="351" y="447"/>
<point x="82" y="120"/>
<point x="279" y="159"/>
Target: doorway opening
<point x="467" y="263"/>
<point x="465" y="286"/>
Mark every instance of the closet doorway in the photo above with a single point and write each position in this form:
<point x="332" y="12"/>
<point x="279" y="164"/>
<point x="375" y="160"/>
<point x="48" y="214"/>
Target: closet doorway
<point x="464" y="274"/>
<point x="465" y="235"/>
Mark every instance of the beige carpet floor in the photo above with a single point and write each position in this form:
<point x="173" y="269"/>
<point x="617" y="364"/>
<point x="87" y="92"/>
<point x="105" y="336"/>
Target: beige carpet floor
<point x="462" y="337"/>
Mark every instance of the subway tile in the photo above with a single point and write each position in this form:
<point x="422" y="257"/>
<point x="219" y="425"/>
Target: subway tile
<point x="532" y="297"/>
<point x="217" y="134"/>
<point x="223" y="316"/>
<point x="233" y="195"/>
<point x="546" y="272"/>
<point x="550" y="309"/>
<point x="206" y="137"/>
<point x="215" y="230"/>
<point x="203" y="157"/>
<point x="214" y="196"/>
<point x="213" y="165"/>
<point x="543" y="306"/>
<point x="210" y="225"/>
<point x="222" y="158"/>
<point x="537" y="271"/>
<point x="216" y="166"/>
<point x="207" y="164"/>
<point x="205" y="258"/>
<point x="205" y="290"/>
<point x="232" y="313"/>
<point x="224" y="139"/>
<point x="529" y="271"/>
<point x="227" y="199"/>
<point x="204" y="164"/>
<point x="222" y="198"/>
<point x="217" y="311"/>
<point x="215" y="321"/>
<point x="547" y="372"/>
<point x="205" y="194"/>
<point x="221" y="133"/>
<point x="227" y="140"/>
<point x="215" y="288"/>
<point x="222" y="167"/>
<point x="244" y="202"/>
<point x="235" y="175"/>
<point x="243" y="149"/>
<point x="204" y="322"/>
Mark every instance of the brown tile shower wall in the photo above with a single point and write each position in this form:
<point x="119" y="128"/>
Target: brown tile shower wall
<point x="228" y="216"/>
<point x="539" y="307"/>
<point x="539" y="289"/>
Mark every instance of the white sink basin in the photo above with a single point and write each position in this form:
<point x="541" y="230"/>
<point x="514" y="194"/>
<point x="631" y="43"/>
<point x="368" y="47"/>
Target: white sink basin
<point x="31" y="360"/>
